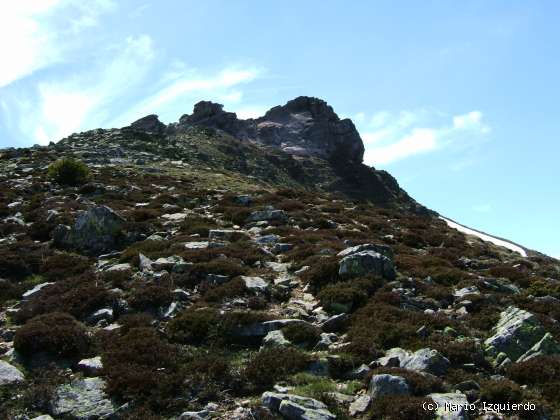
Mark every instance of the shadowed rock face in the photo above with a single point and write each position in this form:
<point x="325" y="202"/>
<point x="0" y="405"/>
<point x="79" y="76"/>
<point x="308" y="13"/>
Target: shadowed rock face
<point x="304" y="126"/>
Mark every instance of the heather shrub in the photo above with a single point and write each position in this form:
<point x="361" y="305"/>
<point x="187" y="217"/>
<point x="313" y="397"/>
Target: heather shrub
<point x="78" y="296"/>
<point x="231" y="289"/>
<point x="20" y="260"/>
<point x="501" y="391"/>
<point x="140" y="366"/>
<point x="400" y="407"/>
<point x="347" y="296"/>
<point x="269" y="366"/>
<point x="62" y="265"/>
<point x="69" y="171"/>
<point x="321" y="274"/>
<point x="150" y="297"/>
<point x="57" y="334"/>
<point x="302" y="334"/>
<point x="542" y="372"/>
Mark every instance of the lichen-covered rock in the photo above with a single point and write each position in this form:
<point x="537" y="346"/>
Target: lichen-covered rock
<point x="83" y="399"/>
<point x="269" y="214"/>
<point x="518" y="336"/>
<point x="255" y="284"/>
<point x="381" y="249"/>
<point x="365" y="263"/>
<point x="95" y="231"/>
<point x="275" y="339"/>
<point x="9" y="374"/>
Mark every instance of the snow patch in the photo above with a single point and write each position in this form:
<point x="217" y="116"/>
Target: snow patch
<point x="485" y="237"/>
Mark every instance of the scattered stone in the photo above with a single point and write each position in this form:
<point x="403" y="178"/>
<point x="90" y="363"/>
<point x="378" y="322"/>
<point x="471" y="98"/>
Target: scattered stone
<point x="465" y="291"/>
<point x="423" y="360"/>
<point x="275" y="339"/>
<point x="381" y="249"/>
<point x="451" y="406"/>
<point x="365" y="263"/>
<point x="9" y="374"/>
<point x="336" y="323"/>
<point x="261" y="329"/>
<point x="360" y="405"/>
<point x="255" y="284"/>
<point x="196" y="245"/>
<point x="518" y="336"/>
<point x="294" y="407"/>
<point x="95" y="231"/>
<point x="91" y="366"/>
<point x="34" y="290"/>
<point x="270" y="214"/>
<point x="387" y="385"/>
<point x="83" y="399"/>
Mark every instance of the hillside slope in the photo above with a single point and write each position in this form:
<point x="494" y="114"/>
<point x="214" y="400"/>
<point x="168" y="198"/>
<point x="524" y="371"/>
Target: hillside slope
<point x="205" y="269"/>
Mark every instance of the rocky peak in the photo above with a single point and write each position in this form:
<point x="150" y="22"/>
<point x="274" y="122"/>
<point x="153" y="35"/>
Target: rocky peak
<point x="303" y="126"/>
<point x="149" y="123"/>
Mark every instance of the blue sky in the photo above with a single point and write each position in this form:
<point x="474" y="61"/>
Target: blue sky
<point x="458" y="100"/>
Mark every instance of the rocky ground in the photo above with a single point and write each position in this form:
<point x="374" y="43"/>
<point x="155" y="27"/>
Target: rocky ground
<point x="198" y="276"/>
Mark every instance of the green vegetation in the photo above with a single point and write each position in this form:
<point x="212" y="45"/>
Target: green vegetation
<point x="69" y="171"/>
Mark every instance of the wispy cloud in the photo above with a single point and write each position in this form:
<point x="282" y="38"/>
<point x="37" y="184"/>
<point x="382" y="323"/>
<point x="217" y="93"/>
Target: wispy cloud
<point x="37" y="33"/>
<point x="94" y="85"/>
<point x="389" y="138"/>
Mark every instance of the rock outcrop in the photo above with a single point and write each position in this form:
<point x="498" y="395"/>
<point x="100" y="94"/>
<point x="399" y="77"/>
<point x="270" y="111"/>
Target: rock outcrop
<point x="82" y="400"/>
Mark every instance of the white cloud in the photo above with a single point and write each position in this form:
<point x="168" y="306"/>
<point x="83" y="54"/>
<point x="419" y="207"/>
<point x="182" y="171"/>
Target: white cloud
<point x="33" y="34"/>
<point x="389" y="138"/>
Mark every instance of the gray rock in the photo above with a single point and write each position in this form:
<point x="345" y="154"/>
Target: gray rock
<point x="268" y="215"/>
<point x="83" y="399"/>
<point x="518" y="336"/>
<point x="294" y="411"/>
<point x="120" y="267"/>
<point x="423" y="360"/>
<point x="35" y="289"/>
<point x="451" y="406"/>
<point x="366" y="263"/>
<point x="360" y="405"/>
<point x="105" y="314"/>
<point x="197" y="245"/>
<point x="224" y="234"/>
<point x="275" y="339"/>
<point x="9" y="374"/>
<point x="43" y="417"/>
<point x="174" y="263"/>
<point x="95" y="231"/>
<point x="91" y="366"/>
<point x="149" y="124"/>
<point x="461" y="293"/>
<point x="336" y="323"/>
<point x="383" y="385"/>
<point x="281" y="247"/>
<point x="261" y="329"/>
<point x="255" y="284"/>
<point x="145" y="264"/>
<point x="381" y="249"/>
<point x="361" y="372"/>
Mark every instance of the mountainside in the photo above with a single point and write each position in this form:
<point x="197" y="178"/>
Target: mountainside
<point x="256" y="269"/>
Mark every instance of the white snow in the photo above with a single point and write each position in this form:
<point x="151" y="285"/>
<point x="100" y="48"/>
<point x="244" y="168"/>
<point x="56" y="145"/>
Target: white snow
<point x="485" y="237"/>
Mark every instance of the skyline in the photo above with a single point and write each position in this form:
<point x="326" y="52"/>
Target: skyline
<point x="457" y="102"/>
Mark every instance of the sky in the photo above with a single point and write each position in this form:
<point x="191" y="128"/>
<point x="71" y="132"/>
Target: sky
<point x="458" y="100"/>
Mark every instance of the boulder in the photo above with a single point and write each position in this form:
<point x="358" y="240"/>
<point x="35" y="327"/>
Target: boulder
<point x="365" y="263"/>
<point x="82" y="399"/>
<point x="35" y="289"/>
<point x="275" y="339"/>
<point x="269" y="215"/>
<point x="518" y="336"/>
<point x="261" y="329"/>
<point x="255" y="284"/>
<point x="9" y="374"/>
<point x="359" y="405"/>
<point x="423" y="360"/>
<point x="451" y="406"/>
<point x="91" y="366"/>
<point x="381" y="249"/>
<point x="95" y="231"/>
<point x="149" y="124"/>
<point x="294" y="407"/>
<point x="387" y="385"/>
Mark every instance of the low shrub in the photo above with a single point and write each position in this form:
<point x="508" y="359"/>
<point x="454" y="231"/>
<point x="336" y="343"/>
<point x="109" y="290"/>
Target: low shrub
<point x="150" y="297"/>
<point x="62" y="265"/>
<point x="231" y="289"/>
<point x="69" y="171"/>
<point x="347" y="296"/>
<point x="57" y="334"/>
<point x="20" y="260"/>
<point x="222" y="266"/>
<point x="141" y="366"/>
<point x="151" y="249"/>
<point x="78" y="296"/>
<point x="321" y="274"/>
<point x="197" y="225"/>
<point x="305" y="335"/>
<point x="271" y="365"/>
<point x="401" y="407"/>
<point x="542" y="372"/>
<point x="508" y="272"/>
<point x="501" y="391"/>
